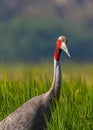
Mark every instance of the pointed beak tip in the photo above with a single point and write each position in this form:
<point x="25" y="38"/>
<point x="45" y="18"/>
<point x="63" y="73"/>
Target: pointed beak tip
<point x="69" y="56"/>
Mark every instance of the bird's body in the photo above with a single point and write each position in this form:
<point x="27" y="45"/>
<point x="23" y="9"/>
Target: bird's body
<point x="26" y="117"/>
<point x="34" y="111"/>
<point x="32" y="115"/>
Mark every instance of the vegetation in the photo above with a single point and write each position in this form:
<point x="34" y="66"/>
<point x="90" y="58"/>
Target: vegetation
<point x="27" y="41"/>
<point x="75" y="108"/>
<point x="28" y="32"/>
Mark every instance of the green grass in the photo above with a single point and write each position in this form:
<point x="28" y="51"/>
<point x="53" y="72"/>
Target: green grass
<point x="75" y="108"/>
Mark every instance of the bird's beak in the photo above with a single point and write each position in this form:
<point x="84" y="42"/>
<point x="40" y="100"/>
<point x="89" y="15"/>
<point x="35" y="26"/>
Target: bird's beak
<point x="64" y="48"/>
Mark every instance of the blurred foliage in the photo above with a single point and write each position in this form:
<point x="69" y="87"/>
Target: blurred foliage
<point x="27" y="38"/>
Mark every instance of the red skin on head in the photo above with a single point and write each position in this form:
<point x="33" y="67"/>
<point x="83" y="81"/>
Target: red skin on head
<point x="57" y="50"/>
<point x="58" y="44"/>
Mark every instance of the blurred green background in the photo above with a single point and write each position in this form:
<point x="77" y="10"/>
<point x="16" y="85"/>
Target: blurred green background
<point x="29" y="29"/>
<point x="28" y="33"/>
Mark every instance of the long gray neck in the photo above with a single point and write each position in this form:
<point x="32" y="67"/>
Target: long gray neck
<point x="56" y="85"/>
<point x="54" y="92"/>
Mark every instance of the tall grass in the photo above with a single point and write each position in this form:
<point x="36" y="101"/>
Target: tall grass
<point x="74" y="110"/>
<point x="14" y="93"/>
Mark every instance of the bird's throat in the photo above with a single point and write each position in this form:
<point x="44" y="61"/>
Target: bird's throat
<point x="57" y="53"/>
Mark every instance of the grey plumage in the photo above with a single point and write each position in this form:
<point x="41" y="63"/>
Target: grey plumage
<point x="31" y="115"/>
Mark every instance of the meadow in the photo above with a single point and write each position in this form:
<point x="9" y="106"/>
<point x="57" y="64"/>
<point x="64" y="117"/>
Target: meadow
<point x="74" y="111"/>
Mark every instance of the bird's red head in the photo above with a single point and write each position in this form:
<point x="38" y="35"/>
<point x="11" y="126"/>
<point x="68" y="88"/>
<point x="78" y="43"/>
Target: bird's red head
<point x="61" y="44"/>
<point x="58" y="44"/>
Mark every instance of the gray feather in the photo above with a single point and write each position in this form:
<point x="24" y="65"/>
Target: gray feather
<point x="31" y="115"/>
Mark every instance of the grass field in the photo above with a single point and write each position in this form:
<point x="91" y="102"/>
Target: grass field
<point x="75" y="107"/>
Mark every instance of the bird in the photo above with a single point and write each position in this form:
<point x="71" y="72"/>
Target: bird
<point x="33" y="113"/>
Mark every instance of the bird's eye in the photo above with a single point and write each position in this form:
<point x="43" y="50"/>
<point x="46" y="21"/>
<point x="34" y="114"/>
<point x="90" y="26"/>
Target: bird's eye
<point x="63" y="40"/>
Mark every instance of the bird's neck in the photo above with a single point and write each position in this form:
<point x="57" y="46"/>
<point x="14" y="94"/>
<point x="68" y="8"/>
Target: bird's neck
<point x="57" y="53"/>
<point x="54" y="92"/>
<point x="56" y="85"/>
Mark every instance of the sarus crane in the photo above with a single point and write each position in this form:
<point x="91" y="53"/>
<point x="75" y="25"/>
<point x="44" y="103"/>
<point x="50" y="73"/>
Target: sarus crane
<point x="31" y="115"/>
